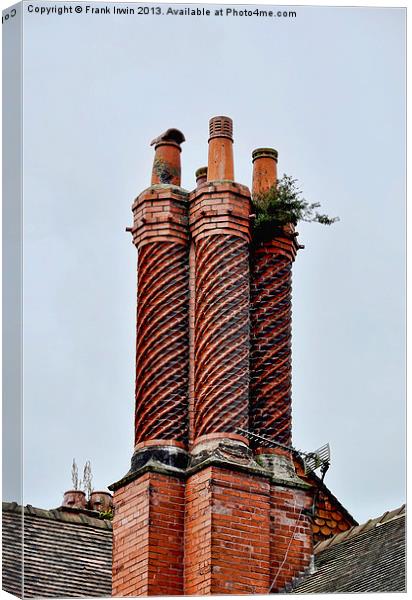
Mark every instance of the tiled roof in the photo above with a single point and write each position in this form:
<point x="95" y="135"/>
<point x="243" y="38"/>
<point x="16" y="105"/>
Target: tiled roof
<point x="331" y="517"/>
<point x="366" y="558"/>
<point x="67" y="553"/>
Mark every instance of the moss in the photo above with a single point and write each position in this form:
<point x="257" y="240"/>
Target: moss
<point x="164" y="171"/>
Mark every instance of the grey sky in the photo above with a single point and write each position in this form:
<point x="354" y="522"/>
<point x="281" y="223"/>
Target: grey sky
<point x="327" y="90"/>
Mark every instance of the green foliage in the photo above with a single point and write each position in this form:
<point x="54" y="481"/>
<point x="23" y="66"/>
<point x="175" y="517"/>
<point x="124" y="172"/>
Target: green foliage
<point x="106" y="514"/>
<point x="283" y="205"/>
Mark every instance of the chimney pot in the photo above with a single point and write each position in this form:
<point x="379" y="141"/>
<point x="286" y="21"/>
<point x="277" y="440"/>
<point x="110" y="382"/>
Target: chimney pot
<point x="166" y="163"/>
<point x="101" y="501"/>
<point x="201" y="176"/>
<point x="220" y="159"/>
<point x="264" y="169"/>
<point x="74" y="499"/>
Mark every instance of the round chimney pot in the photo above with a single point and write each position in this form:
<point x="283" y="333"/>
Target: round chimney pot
<point x="101" y="501"/>
<point x="166" y="164"/>
<point x="74" y="499"/>
<point x="264" y="170"/>
<point x="220" y="154"/>
<point x="201" y="175"/>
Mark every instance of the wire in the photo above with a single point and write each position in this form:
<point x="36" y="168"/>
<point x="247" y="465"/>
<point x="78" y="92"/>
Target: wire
<point x="287" y="549"/>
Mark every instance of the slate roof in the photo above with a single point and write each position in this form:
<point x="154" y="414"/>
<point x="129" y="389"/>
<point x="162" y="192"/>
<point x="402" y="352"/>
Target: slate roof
<point x="366" y="558"/>
<point x="67" y="553"/>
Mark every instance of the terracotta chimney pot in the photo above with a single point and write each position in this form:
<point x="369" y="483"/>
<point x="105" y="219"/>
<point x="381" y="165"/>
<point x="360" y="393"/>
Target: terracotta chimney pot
<point x="74" y="499"/>
<point x="201" y="176"/>
<point x="264" y="170"/>
<point x="220" y="160"/>
<point x="166" y="163"/>
<point x="101" y="501"/>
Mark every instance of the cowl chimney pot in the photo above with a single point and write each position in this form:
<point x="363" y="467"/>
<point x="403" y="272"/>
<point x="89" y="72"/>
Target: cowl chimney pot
<point x="220" y="159"/>
<point x="166" y="163"/>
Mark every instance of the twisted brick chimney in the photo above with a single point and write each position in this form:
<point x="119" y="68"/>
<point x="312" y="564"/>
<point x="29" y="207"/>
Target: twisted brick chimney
<point x="200" y="511"/>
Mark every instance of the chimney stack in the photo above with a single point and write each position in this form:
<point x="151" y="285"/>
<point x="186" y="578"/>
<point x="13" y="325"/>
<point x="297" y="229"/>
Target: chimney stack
<point x="200" y="512"/>
<point x="149" y="500"/>
<point x="271" y="319"/>
<point x="220" y="161"/>
<point x="220" y="229"/>
<point x="162" y="360"/>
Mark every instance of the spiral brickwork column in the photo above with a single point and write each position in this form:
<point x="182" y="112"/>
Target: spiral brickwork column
<point x="162" y="360"/>
<point x="220" y="230"/>
<point x="271" y="320"/>
<point x="161" y="235"/>
<point x="221" y="335"/>
<point x="219" y="222"/>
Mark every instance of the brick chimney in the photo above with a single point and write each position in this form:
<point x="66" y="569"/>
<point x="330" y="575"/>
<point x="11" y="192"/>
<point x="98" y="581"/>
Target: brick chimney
<point x="222" y="494"/>
<point x="271" y="372"/>
<point x="271" y="292"/>
<point x="200" y="511"/>
<point x="149" y="501"/>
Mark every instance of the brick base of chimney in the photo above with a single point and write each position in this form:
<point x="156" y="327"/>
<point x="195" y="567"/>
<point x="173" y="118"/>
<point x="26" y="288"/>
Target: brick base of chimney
<point x="224" y="525"/>
<point x="148" y="530"/>
<point x="227" y="538"/>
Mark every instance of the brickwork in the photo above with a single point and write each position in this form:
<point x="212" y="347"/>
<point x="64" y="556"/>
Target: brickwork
<point x="291" y="544"/>
<point x="219" y="224"/>
<point x="227" y="533"/>
<point x="160" y="214"/>
<point x="160" y="233"/>
<point x="198" y="534"/>
<point x="220" y="208"/>
<point x="162" y="350"/>
<point x="221" y="335"/>
<point x="148" y="537"/>
<point x="192" y="296"/>
<point x="271" y="337"/>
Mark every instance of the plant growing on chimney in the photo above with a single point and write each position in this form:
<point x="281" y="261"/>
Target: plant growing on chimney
<point x="283" y="204"/>
<point x="106" y="514"/>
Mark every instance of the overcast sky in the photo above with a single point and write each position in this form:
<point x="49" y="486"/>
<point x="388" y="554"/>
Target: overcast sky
<point x="327" y="90"/>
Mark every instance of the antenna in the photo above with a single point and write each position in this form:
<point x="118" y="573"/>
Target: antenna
<point x="319" y="459"/>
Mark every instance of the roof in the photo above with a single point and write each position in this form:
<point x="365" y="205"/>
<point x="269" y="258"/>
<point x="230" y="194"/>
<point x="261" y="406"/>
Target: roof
<point x="67" y="552"/>
<point x="366" y="558"/>
<point x="331" y="517"/>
